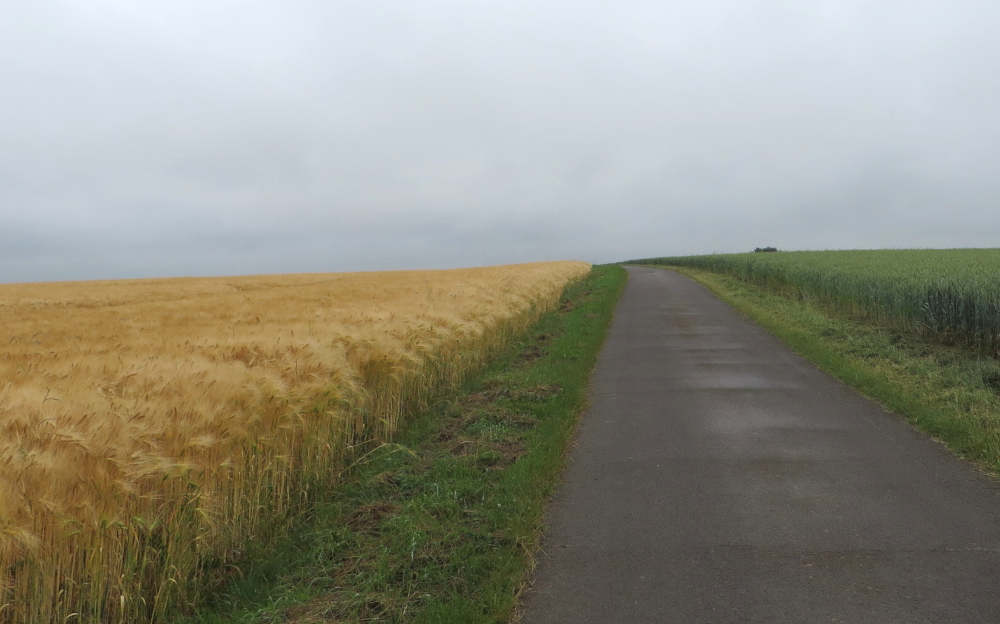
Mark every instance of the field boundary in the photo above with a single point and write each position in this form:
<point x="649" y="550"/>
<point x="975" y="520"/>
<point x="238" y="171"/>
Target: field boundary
<point x="442" y="524"/>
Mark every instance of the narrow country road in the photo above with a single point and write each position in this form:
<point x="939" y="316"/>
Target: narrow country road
<point x="719" y="478"/>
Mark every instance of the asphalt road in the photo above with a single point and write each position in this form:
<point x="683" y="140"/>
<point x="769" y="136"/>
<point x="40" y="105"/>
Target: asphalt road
<point x="719" y="478"/>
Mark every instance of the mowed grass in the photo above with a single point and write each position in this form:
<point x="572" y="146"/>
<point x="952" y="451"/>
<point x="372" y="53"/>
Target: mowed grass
<point x="950" y="294"/>
<point x="151" y="431"/>
<point x="441" y="526"/>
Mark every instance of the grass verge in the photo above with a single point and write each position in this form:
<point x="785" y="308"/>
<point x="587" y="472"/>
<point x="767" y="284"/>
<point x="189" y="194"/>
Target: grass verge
<point x="948" y="391"/>
<point x="442" y="524"/>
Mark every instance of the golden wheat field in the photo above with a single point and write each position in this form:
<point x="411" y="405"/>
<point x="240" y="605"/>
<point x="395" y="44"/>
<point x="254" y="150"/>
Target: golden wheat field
<point x="149" y="429"/>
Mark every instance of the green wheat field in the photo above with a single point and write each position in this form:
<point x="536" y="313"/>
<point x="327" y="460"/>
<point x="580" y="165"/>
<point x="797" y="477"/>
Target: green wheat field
<point x="953" y="294"/>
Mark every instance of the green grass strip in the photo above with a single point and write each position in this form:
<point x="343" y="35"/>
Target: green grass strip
<point x="441" y="525"/>
<point x="949" y="391"/>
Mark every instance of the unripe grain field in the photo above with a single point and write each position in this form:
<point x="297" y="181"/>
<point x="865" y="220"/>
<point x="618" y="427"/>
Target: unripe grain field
<point x="151" y="429"/>
<point x="949" y="294"/>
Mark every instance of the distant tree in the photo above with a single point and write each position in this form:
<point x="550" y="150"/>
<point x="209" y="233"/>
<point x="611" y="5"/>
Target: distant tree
<point x="764" y="249"/>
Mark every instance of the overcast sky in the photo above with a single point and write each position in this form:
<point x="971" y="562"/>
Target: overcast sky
<point x="255" y="136"/>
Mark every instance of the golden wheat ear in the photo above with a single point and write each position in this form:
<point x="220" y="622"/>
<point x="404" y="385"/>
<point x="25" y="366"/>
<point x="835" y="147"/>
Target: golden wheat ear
<point x="151" y="429"/>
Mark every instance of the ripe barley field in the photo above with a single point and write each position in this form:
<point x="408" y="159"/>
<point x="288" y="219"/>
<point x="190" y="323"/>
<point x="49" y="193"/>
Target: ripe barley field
<point x="950" y="294"/>
<point x="151" y="429"/>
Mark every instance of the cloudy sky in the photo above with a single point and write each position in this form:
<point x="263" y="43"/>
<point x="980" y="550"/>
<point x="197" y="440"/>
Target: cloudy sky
<point x="208" y="137"/>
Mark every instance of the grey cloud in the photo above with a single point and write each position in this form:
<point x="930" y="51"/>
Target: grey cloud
<point x="213" y="137"/>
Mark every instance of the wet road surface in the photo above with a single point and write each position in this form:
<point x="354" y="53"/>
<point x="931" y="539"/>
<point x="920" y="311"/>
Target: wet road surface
<point x="719" y="478"/>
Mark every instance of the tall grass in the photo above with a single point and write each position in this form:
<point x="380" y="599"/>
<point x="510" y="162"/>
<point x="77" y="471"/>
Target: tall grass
<point x="150" y="429"/>
<point x="953" y="294"/>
